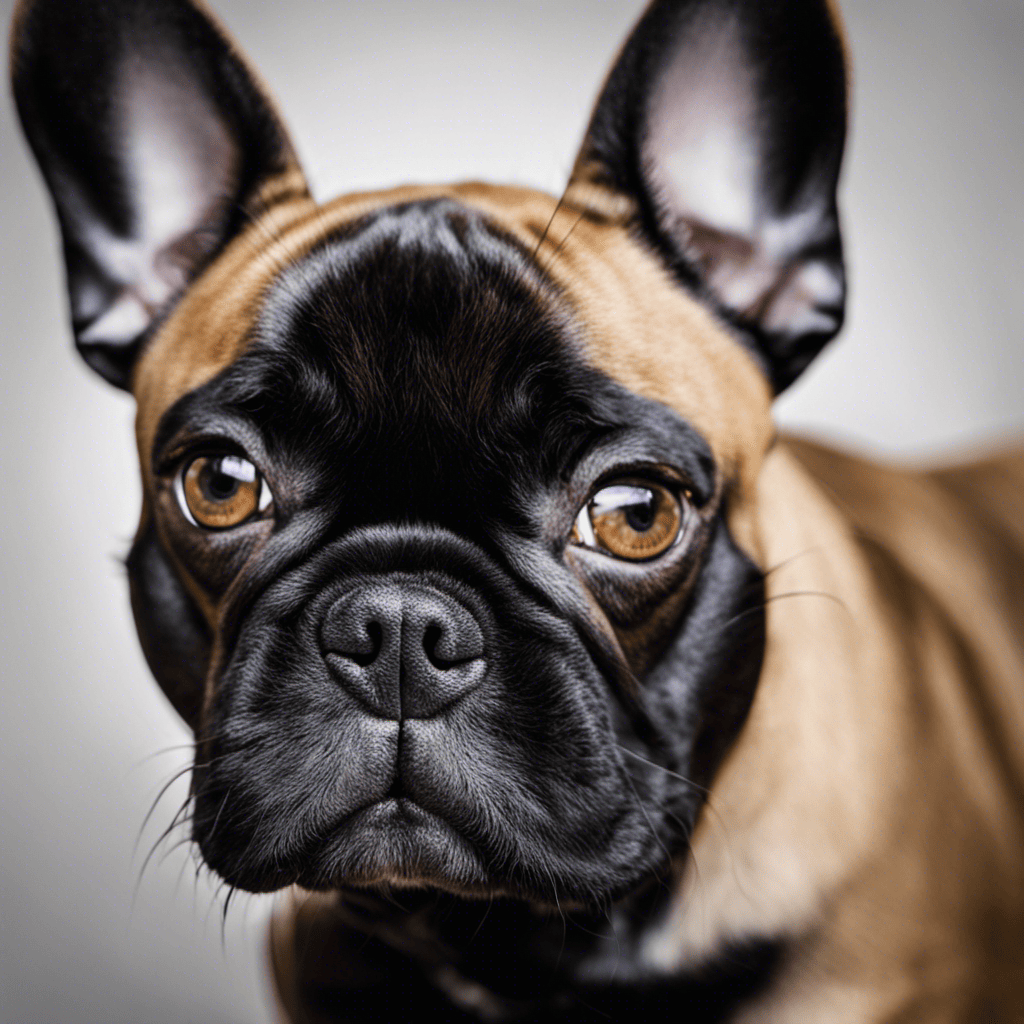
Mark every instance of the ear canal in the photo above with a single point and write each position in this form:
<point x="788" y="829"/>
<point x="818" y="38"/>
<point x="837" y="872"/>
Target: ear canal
<point x="156" y="143"/>
<point x="723" y="122"/>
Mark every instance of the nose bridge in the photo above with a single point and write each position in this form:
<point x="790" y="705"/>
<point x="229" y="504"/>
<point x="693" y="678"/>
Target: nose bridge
<point x="403" y="648"/>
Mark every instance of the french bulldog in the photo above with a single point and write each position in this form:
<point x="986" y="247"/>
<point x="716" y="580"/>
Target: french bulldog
<point x="518" y="644"/>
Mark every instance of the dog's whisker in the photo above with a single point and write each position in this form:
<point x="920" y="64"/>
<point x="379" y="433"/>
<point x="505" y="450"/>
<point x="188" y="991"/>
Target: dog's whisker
<point x="561" y="914"/>
<point x="662" y="768"/>
<point x="176" y="748"/>
<point x="647" y="817"/>
<point x="590" y="1008"/>
<point x="232" y="890"/>
<point x="176" y="822"/>
<point x="179" y="774"/>
<point x="220" y="811"/>
<point x="565" y="238"/>
<point x="761" y="605"/>
<point x="214" y="900"/>
<point x="169" y="851"/>
<point x="483" y="919"/>
<point x="188" y="842"/>
<point x="175" y="777"/>
<point x="791" y="559"/>
<point x="686" y="829"/>
<point x="809" y="593"/>
<point x="551" y="220"/>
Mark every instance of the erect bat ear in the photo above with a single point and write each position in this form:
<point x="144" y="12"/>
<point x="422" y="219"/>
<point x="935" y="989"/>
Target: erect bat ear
<point x="723" y="121"/>
<point x="156" y="143"/>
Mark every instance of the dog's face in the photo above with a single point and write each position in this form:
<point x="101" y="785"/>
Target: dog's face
<point x="449" y="550"/>
<point x="460" y="585"/>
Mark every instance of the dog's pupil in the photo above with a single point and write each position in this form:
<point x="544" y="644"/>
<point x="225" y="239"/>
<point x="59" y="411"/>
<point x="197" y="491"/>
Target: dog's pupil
<point x="640" y="515"/>
<point x="219" y="486"/>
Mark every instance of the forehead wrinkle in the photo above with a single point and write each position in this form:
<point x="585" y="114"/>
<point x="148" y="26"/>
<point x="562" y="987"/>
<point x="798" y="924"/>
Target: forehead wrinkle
<point x="416" y="307"/>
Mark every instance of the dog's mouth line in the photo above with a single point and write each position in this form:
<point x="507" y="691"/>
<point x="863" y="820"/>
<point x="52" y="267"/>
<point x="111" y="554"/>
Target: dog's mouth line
<point x="396" y="799"/>
<point x="394" y="843"/>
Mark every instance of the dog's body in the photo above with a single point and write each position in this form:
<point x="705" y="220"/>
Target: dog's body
<point x="471" y="554"/>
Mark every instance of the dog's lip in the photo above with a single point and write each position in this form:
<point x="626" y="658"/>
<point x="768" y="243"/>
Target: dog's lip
<point x="396" y="841"/>
<point x="390" y="811"/>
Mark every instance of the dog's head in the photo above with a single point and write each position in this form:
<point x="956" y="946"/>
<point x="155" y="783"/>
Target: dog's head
<point x="449" y="549"/>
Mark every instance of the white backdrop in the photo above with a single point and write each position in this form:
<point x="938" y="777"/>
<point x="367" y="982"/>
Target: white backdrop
<point x="414" y="91"/>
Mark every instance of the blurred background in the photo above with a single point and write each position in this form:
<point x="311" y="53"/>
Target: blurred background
<point x="378" y="94"/>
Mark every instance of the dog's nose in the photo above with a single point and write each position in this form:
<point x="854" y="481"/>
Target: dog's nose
<point x="405" y="650"/>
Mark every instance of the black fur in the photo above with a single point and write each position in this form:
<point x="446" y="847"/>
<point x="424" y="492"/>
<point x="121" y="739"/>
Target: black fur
<point x="366" y="978"/>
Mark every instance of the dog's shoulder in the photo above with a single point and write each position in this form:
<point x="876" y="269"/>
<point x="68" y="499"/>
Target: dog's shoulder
<point x="944" y="552"/>
<point x="947" y="547"/>
<point x="958" y="530"/>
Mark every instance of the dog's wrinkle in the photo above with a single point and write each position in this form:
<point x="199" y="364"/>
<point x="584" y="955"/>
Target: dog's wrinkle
<point x="352" y="262"/>
<point x="513" y="325"/>
<point x="546" y="809"/>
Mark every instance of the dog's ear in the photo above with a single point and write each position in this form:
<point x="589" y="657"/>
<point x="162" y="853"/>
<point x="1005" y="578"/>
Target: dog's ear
<point x="156" y="142"/>
<point x="723" y="122"/>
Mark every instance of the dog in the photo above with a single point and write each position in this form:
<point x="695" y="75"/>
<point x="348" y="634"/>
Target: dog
<point x="552" y="680"/>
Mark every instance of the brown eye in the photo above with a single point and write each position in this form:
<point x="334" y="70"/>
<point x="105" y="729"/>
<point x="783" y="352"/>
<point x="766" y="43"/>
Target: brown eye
<point x="632" y="519"/>
<point x="219" y="491"/>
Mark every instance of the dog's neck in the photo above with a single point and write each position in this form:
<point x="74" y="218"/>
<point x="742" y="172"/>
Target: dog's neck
<point x="503" y="960"/>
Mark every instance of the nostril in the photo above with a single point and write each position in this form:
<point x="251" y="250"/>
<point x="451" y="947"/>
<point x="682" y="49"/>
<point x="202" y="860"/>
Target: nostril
<point x="431" y="641"/>
<point x="354" y="630"/>
<point x="367" y="654"/>
<point x="446" y="647"/>
<point x="431" y="636"/>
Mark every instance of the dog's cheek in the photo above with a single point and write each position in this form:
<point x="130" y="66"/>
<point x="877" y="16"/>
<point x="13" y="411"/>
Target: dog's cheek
<point x="703" y="687"/>
<point x="174" y="635"/>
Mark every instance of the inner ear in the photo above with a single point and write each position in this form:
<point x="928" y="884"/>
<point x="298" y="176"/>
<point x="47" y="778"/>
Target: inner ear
<point x="179" y="171"/>
<point x="155" y="141"/>
<point x="724" y="122"/>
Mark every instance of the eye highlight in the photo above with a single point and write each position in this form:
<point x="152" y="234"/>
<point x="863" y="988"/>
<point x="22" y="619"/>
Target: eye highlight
<point x="630" y="519"/>
<point x="220" y="491"/>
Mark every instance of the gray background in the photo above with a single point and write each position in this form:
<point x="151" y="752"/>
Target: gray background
<point x="379" y="93"/>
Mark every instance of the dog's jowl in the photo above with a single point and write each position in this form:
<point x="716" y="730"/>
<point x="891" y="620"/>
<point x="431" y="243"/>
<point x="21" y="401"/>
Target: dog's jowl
<point x="513" y="636"/>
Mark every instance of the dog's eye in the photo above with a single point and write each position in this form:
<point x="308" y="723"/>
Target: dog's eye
<point x="631" y="519"/>
<point x="220" y="491"/>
